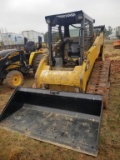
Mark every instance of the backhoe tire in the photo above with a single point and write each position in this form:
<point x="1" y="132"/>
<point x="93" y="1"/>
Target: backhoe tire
<point x="14" y="79"/>
<point x="37" y="60"/>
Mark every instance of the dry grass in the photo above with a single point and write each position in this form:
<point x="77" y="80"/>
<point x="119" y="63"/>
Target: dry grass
<point x="110" y="52"/>
<point x="107" y="41"/>
<point x="14" y="146"/>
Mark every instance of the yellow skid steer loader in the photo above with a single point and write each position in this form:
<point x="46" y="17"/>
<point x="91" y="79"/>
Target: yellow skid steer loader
<point x="71" y="87"/>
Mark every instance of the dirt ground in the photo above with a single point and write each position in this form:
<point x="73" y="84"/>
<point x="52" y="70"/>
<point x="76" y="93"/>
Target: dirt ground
<point x="14" y="146"/>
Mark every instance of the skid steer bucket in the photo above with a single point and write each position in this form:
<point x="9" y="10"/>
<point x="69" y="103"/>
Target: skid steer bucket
<point x="71" y="120"/>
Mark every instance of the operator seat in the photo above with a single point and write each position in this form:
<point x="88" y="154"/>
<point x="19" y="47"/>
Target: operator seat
<point x="29" y="47"/>
<point x="74" y="50"/>
<point x="72" y="47"/>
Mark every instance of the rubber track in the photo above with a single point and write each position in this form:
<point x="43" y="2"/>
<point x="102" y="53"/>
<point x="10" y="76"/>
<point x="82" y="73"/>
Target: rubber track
<point x="99" y="80"/>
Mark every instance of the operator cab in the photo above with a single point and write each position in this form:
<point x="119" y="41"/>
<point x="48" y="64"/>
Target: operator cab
<point x="70" y="35"/>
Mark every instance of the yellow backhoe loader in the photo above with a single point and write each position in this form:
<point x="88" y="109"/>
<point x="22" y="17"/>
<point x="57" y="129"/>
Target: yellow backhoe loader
<point x="14" y="64"/>
<point x="71" y="87"/>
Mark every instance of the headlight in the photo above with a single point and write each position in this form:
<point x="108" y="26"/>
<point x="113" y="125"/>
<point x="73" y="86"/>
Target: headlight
<point x="79" y="17"/>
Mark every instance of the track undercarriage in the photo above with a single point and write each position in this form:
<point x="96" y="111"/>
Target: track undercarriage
<point x="99" y="80"/>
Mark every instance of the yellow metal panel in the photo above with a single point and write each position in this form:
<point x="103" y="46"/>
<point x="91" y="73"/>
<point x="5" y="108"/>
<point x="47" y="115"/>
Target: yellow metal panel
<point x="42" y="66"/>
<point x="68" y="78"/>
<point x="13" y="66"/>
<point x="93" y="54"/>
<point x="13" y="54"/>
<point x="32" y="55"/>
<point x="76" y="78"/>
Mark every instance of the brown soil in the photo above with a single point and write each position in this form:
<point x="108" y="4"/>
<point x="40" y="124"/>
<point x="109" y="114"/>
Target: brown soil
<point x="14" y="146"/>
<point x="110" y="52"/>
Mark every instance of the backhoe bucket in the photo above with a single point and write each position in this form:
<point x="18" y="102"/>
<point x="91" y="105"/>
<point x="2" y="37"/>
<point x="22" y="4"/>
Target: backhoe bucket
<point x="71" y="120"/>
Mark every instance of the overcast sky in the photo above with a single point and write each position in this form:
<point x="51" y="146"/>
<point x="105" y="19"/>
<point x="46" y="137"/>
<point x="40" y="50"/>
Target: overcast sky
<point x="19" y="15"/>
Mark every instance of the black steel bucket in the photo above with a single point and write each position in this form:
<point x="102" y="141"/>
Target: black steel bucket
<point x="71" y="120"/>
